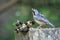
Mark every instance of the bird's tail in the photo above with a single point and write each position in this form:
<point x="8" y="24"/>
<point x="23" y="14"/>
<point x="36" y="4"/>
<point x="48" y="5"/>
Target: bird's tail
<point x="51" y="25"/>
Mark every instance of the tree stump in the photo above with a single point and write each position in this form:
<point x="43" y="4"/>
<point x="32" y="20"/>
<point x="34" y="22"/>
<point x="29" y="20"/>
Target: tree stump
<point x="21" y="36"/>
<point x="40" y="34"/>
<point x="45" y="34"/>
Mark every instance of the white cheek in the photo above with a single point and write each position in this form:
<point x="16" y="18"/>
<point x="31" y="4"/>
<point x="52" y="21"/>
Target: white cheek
<point x="32" y="12"/>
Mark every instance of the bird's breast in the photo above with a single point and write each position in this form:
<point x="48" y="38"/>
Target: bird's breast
<point x="39" y="22"/>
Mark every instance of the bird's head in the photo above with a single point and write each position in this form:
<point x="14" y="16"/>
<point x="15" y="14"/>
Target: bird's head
<point x="34" y="11"/>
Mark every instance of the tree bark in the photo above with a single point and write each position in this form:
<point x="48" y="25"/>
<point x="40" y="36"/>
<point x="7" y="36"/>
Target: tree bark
<point x="21" y="36"/>
<point x="40" y="34"/>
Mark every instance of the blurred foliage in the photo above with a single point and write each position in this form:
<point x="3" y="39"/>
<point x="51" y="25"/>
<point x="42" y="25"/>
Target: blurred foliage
<point x="50" y="8"/>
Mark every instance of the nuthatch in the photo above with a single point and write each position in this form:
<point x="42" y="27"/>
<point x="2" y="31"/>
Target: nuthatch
<point x="40" y="18"/>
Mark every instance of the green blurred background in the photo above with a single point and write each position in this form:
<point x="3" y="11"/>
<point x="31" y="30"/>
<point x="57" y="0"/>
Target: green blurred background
<point x="50" y="8"/>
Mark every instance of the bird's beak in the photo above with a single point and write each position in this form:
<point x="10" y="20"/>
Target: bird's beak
<point x="32" y="9"/>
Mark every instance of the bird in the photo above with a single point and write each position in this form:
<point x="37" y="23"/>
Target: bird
<point x="40" y="19"/>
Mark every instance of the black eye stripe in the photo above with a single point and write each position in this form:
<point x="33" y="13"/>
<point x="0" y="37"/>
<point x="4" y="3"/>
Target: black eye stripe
<point x="33" y="12"/>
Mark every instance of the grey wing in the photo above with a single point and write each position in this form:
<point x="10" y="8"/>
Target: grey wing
<point x="46" y="20"/>
<point x="39" y="18"/>
<point x="41" y="15"/>
<point x="43" y="19"/>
